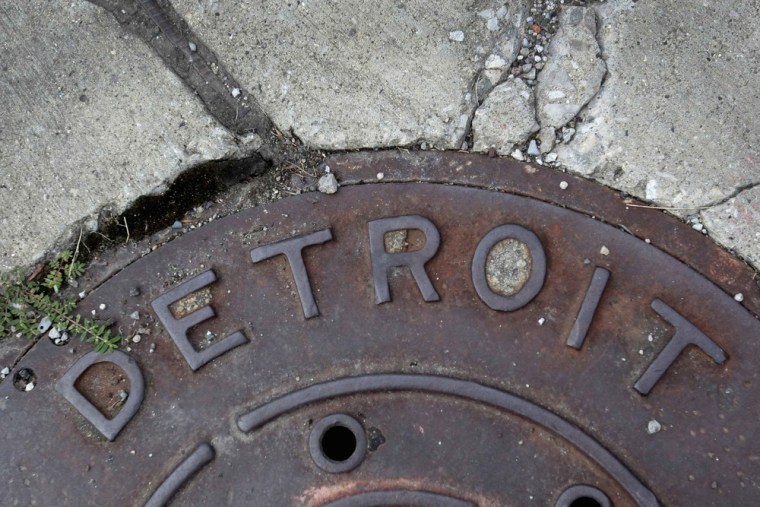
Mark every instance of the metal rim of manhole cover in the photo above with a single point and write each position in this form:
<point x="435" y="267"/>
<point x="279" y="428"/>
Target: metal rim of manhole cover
<point x="446" y="329"/>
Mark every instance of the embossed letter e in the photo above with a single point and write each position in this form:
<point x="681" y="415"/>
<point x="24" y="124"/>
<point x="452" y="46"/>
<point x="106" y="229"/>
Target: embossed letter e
<point x="177" y="329"/>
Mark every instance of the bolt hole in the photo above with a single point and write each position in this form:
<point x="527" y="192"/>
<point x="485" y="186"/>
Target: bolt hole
<point x="585" y="501"/>
<point x="24" y="380"/>
<point x="338" y="443"/>
<point x="582" y="495"/>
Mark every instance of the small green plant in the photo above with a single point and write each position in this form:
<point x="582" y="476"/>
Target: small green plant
<point x="24" y="302"/>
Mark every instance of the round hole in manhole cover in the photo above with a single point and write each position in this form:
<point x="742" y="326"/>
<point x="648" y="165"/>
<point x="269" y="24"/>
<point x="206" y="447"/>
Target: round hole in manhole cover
<point x="465" y="332"/>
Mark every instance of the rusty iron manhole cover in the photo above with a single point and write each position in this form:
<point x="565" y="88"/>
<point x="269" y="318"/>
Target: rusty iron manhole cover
<point x="465" y="331"/>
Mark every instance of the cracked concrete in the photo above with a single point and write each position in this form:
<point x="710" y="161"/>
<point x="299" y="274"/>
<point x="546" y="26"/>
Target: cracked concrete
<point x="94" y="118"/>
<point x="675" y="121"/>
<point x="343" y="76"/>
<point x="678" y="106"/>
<point x="505" y="119"/>
<point x="91" y="119"/>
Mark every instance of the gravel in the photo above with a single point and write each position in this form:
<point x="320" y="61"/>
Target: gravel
<point x="328" y="184"/>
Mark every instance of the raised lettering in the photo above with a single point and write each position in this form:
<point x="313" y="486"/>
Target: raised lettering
<point x="537" y="274"/>
<point x="686" y="334"/>
<point x="200" y="457"/>
<point x="110" y="428"/>
<point x="382" y="261"/>
<point x="177" y="328"/>
<point x="292" y="249"/>
<point x="586" y="314"/>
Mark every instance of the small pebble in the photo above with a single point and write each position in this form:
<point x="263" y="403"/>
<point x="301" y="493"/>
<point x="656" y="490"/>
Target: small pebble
<point x="135" y="315"/>
<point x="541" y="321"/>
<point x="647" y="240"/>
<point x="563" y="185"/>
<point x="5" y="372"/>
<point x="653" y="426"/>
<point x="551" y="157"/>
<point x="29" y="387"/>
<point x="517" y="155"/>
<point x="193" y="47"/>
<point x="604" y="250"/>
<point x="136" y="338"/>
<point x="82" y="295"/>
<point x="123" y="395"/>
<point x="152" y="348"/>
<point x="236" y="92"/>
<point x="650" y="338"/>
<point x="739" y="297"/>
<point x="102" y="306"/>
<point x="327" y="184"/>
<point x="697" y="227"/>
<point x="44" y="325"/>
<point x="539" y="48"/>
<point x="54" y="333"/>
<point x="177" y="225"/>
<point x="533" y="148"/>
<point x="380" y="176"/>
<point x="456" y="36"/>
<point x="134" y="292"/>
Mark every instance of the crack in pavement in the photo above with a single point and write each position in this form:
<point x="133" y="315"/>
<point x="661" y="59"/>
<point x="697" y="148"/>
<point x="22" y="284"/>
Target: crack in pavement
<point x="192" y="61"/>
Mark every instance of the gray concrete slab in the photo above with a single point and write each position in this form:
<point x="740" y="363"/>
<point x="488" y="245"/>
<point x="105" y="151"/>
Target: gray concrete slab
<point x="358" y="74"/>
<point x="93" y="118"/>
<point x="90" y="118"/>
<point x="676" y="120"/>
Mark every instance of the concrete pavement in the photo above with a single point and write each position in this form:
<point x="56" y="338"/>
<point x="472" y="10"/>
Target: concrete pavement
<point x="102" y="105"/>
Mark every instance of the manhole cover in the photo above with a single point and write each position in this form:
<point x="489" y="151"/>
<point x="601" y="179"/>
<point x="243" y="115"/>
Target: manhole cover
<point x="463" y="331"/>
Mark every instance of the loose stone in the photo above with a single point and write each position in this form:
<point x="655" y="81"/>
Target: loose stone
<point x="533" y="148"/>
<point x="739" y="297"/>
<point x="54" y="333"/>
<point x="236" y="92"/>
<point x="44" y="325"/>
<point x="518" y="155"/>
<point x="563" y="185"/>
<point x="456" y="36"/>
<point x="328" y="184"/>
<point x="653" y="426"/>
<point x="604" y="250"/>
<point x="135" y="315"/>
